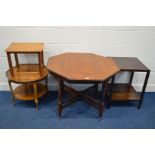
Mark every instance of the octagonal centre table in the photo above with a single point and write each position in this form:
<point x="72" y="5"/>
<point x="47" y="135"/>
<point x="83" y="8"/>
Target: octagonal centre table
<point x="81" y="68"/>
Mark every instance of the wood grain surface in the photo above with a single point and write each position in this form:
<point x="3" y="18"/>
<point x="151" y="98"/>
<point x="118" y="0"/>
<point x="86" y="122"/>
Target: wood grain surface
<point x="82" y="66"/>
<point x="27" y="73"/>
<point x="25" y="47"/>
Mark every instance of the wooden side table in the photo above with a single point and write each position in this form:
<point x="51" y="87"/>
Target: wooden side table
<point x="28" y="75"/>
<point x="125" y="91"/>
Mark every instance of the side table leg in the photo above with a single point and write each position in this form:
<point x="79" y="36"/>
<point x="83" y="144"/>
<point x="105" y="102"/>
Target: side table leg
<point x="96" y="89"/>
<point x="35" y="95"/>
<point x="10" y="64"/>
<point x="46" y="82"/>
<point x="102" y="88"/>
<point x="131" y="77"/>
<point x="111" y="91"/>
<point x="40" y="62"/>
<point x="60" y="98"/>
<point x="101" y="108"/>
<point x="143" y="90"/>
<point x="13" y="98"/>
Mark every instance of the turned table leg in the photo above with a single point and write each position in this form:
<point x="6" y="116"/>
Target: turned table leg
<point x="101" y="108"/>
<point x="104" y="91"/>
<point x="110" y="91"/>
<point x="96" y="89"/>
<point x="60" y="83"/>
<point x="46" y="82"/>
<point x="35" y="95"/>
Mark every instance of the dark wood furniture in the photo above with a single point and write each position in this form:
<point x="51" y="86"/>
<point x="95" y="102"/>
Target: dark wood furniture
<point x="81" y="68"/>
<point x="28" y="75"/>
<point x="125" y="91"/>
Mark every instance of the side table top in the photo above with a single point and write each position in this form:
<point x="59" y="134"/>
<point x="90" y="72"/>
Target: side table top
<point x="82" y="66"/>
<point x="130" y="64"/>
<point x="25" y="47"/>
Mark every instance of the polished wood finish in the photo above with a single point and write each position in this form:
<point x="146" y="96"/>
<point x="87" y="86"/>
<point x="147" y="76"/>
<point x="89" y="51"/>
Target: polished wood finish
<point x="130" y="64"/>
<point x="143" y="89"/>
<point x="10" y="63"/>
<point x="76" y="95"/>
<point x="59" y="97"/>
<point x="12" y="93"/>
<point x="123" y="92"/>
<point x="27" y="92"/>
<point x="27" y="48"/>
<point x="81" y="68"/>
<point x="16" y="59"/>
<point x="126" y="92"/>
<point x="24" y="47"/>
<point x="27" y="74"/>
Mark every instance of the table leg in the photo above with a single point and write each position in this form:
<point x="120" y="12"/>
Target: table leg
<point x="96" y="88"/>
<point x="10" y="63"/>
<point x="16" y="59"/>
<point x="35" y="95"/>
<point x="143" y="90"/>
<point x="104" y="87"/>
<point x="42" y="55"/>
<point x="46" y="82"/>
<point x="93" y="102"/>
<point x="101" y="108"/>
<point x="111" y="91"/>
<point x="74" y="95"/>
<point x="60" y="98"/>
<point x="131" y="77"/>
<point x="13" y="98"/>
<point x="40" y="61"/>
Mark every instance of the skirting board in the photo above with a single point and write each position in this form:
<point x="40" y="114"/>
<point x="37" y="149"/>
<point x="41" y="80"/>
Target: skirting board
<point x="138" y="87"/>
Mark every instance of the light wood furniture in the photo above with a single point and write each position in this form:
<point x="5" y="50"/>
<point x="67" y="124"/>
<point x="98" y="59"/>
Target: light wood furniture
<point x="28" y="75"/>
<point x="125" y="91"/>
<point x="81" y="68"/>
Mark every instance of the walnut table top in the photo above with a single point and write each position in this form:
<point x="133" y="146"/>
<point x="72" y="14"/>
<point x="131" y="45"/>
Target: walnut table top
<point x="82" y="67"/>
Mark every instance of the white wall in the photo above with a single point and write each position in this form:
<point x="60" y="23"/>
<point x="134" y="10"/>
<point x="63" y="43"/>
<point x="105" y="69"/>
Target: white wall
<point x="108" y="41"/>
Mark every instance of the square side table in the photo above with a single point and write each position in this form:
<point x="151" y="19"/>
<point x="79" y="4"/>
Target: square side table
<point x="125" y="91"/>
<point x="24" y="48"/>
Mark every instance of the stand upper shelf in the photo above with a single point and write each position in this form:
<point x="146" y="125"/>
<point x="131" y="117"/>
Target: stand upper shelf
<point x="21" y="47"/>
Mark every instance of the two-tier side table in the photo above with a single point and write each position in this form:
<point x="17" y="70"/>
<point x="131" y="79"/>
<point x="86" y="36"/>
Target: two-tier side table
<point x="27" y="75"/>
<point x="125" y="91"/>
<point x="80" y="68"/>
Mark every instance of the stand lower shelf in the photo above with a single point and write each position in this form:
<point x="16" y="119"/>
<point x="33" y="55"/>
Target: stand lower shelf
<point x="26" y="92"/>
<point x="123" y="92"/>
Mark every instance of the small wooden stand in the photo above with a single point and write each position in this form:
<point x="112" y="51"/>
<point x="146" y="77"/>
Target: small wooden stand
<point x="125" y="91"/>
<point x="28" y="75"/>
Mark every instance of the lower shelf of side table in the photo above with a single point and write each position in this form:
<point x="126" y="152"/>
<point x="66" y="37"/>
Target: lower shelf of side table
<point x="26" y="92"/>
<point x="123" y="92"/>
